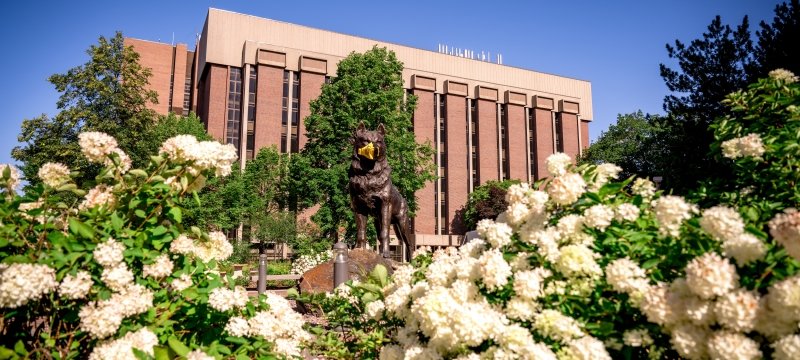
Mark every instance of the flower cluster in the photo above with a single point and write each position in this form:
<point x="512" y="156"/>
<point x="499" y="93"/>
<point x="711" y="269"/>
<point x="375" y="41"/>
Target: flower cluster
<point x="307" y="262"/>
<point x="279" y="324"/>
<point x="101" y="148"/>
<point x="671" y="211"/>
<point x="746" y="146"/>
<point x="216" y="248"/>
<point x="21" y="283"/>
<point x="143" y="340"/>
<point x="54" y="174"/>
<point x="785" y="228"/>
<point x="200" y="155"/>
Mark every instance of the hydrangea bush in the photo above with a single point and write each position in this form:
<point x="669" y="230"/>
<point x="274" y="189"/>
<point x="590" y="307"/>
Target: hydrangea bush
<point x="115" y="275"/>
<point x="583" y="267"/>
<point x="304" y="262"/>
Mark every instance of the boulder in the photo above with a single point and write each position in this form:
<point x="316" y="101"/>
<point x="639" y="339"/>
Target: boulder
<point x="360" y="261"/>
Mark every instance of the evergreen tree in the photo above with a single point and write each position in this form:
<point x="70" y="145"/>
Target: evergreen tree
<point x="778" y="42"/>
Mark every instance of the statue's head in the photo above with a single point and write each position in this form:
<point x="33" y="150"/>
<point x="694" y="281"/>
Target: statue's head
<point x="369" y="145"/>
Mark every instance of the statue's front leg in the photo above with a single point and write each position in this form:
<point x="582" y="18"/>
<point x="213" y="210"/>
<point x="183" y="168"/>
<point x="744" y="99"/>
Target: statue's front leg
<point x="383" y="229"/>
<point x="361" y="231"/>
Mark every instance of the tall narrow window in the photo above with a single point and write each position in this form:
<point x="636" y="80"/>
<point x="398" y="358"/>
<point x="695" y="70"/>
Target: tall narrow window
<point x="285" y="115"/>
<point x="532" y="143"/>
<point x="233" y="128"/>
<point x="559" y="134"/>
<point x="474" y="125"/>
<point x="187" y="93"/>
<point x="251" y="111"/>
<point x="442" y="155"/>
<point x="504" y="140"/>
<point x="295" y="111"/>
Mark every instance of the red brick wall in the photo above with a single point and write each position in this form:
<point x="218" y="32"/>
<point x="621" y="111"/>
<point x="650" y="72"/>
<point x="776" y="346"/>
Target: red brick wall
<point x="584" y="134"/>
<point x="424" y="129"/>
<point x="457" y="175"/>
<point x="217" y="97"/>
<point x="158" y="58"/>
<point x="310" y="88"/>
<point x="517" y="143"/>
<point x="269" y="97"/>
<point x="488" y="168"/>
<point x="543" y="121"/>
<point x="569" y="130"/>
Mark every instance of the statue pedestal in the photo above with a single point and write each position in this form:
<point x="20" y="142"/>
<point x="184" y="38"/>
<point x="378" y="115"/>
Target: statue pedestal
<point x="360" y="261"/>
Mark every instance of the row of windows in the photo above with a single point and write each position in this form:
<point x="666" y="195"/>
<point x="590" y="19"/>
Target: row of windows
<point x="293" y="145"/>
<point x="233" y="126"/>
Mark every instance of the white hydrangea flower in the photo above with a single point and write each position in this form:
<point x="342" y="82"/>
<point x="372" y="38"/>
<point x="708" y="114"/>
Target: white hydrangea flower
<point x="521" y="309"/>
<point x="783" y="75"/>
<point x="181" y="282"/>
<point x="237" y="326"/>
<point x="722" y="222"/>
<point x="223" y="299"/>
<point x="100" y="319"/>
<point x="637" y="338"/>
<point x="495" y="269"/>
<point x="626" y="212"/>
<point x="96" y="146"/>
<point x="737" y="310"/>
<point x="117" y="277"/>
<point x="730" y="345"/>
<point x="517" y="213"/>
<point x="671" y="211"/>
<point x="54" y="174"/>
<point x="750" y="145"/>
<point x="546" y="242"/>
<point x="122" y="348"/>
<point x="217" y="248"/>
<point x="76" y="286"/>
<point x="558" y="163"/>
<point x="132" y="300"/>
<point x="100" y="195"/>
<point x="585" y="348"/>
<point x="784" y="298"/>
<point x="566" y="189"/>
<point x="518" y="193"/>
<point x="626" y="276"/>
<point x="698" y="311"/>
<point x="690" y="341"/>
<point x="557" y="326"/>
<point x="598" y="216"/>
<point x="644" y="188"/>
<point x="605" y="172"/>
<point x="495" y="233"/>
<point x="109" y="253"/>
<point x="519" y="342"/>
<point x="570" y="225"/>
<point x="124" y="162"/>
<point x="658" y="304"/>
<point x="391" y="352"/>
<point x="578" y="260"/>
<point x="744" y="248"/>
<point x="21" y="283"/>
<point x="182" y="245"/>
<point x="375" y="309"/>
<point x="711" y="275"/>
<point x="13" y="180"/>
<point x="201" y="155"/>
<point x="787" y="348"/>
<point x="785" y="228"/>
<point x="160" y="268"/>
<point x="528" y="284"/>
<point x="198" y="355"/>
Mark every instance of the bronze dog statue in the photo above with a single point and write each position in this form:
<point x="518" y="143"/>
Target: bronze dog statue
<point x="372" y="192"/>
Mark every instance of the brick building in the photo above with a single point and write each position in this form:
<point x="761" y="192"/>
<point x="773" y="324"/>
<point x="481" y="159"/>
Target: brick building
<point x="251" y="79"/>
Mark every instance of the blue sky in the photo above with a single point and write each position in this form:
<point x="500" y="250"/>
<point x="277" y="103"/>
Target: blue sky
<point x="617" y="45"/>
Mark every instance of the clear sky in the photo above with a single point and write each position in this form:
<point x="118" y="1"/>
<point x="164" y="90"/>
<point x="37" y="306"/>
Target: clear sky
<point x="616" y="45"/>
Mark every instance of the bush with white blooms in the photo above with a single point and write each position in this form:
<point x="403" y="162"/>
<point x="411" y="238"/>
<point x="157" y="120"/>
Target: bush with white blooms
<point x="116" y="275"/>
<point x="584" y="267"/>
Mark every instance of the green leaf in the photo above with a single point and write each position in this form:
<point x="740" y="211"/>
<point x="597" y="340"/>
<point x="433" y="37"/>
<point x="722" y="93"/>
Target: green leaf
<point x="116" y="222"/>
<point x="161" y="353"/>
<point x="177" y="346"/>
<point x="6" y="353"/>
<point x="650" y="263"/>
<point x="19" y="347"/>
<point x="79" y="228"/>
<point x="175" y="214"/>
<point x="381" y="274"/>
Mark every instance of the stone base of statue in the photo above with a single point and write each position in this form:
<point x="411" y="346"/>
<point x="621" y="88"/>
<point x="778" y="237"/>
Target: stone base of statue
<point x="361" y="262"/>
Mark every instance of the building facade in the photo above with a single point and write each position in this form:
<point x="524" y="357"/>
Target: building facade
<point x="251" y="79"/>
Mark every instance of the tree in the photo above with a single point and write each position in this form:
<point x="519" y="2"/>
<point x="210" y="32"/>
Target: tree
<point x="368" y="87"/>
<point x="777" y="42"/>
<point x="264" y="204"/>
<point x="94" y="97"/>
<point x="486" y="202"/>
<point x="708" y="69"/>
<point x="631" y="143"/>
<point x="166" y="127"/>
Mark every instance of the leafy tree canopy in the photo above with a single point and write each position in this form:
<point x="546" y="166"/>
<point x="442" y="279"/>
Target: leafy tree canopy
<point x="94" y="97"/>
<point x="368" y="87"/>
<point x="485" y="202"/>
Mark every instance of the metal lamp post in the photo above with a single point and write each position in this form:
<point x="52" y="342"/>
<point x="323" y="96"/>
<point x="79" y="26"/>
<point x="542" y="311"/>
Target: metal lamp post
<point x="262" y="273"/>
<point x="340" y="271"/>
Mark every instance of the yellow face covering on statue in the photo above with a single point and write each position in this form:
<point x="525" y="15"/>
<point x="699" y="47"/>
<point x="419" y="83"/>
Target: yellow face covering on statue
<point x="369" y="151"/>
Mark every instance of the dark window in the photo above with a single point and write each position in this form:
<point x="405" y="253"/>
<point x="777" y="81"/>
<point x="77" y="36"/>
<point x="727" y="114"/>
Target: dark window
<point x="285" y="114"/>
<point x="532" y="143"/>
<point x="187" y="94"/>
<point x="559" y="134"/>
<point x="251" y="109"/>
<point x="295" y="144"/>
<point x="233" y="129"/>
<point x="504" y="140"/>
<point x="474" y="124"/>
